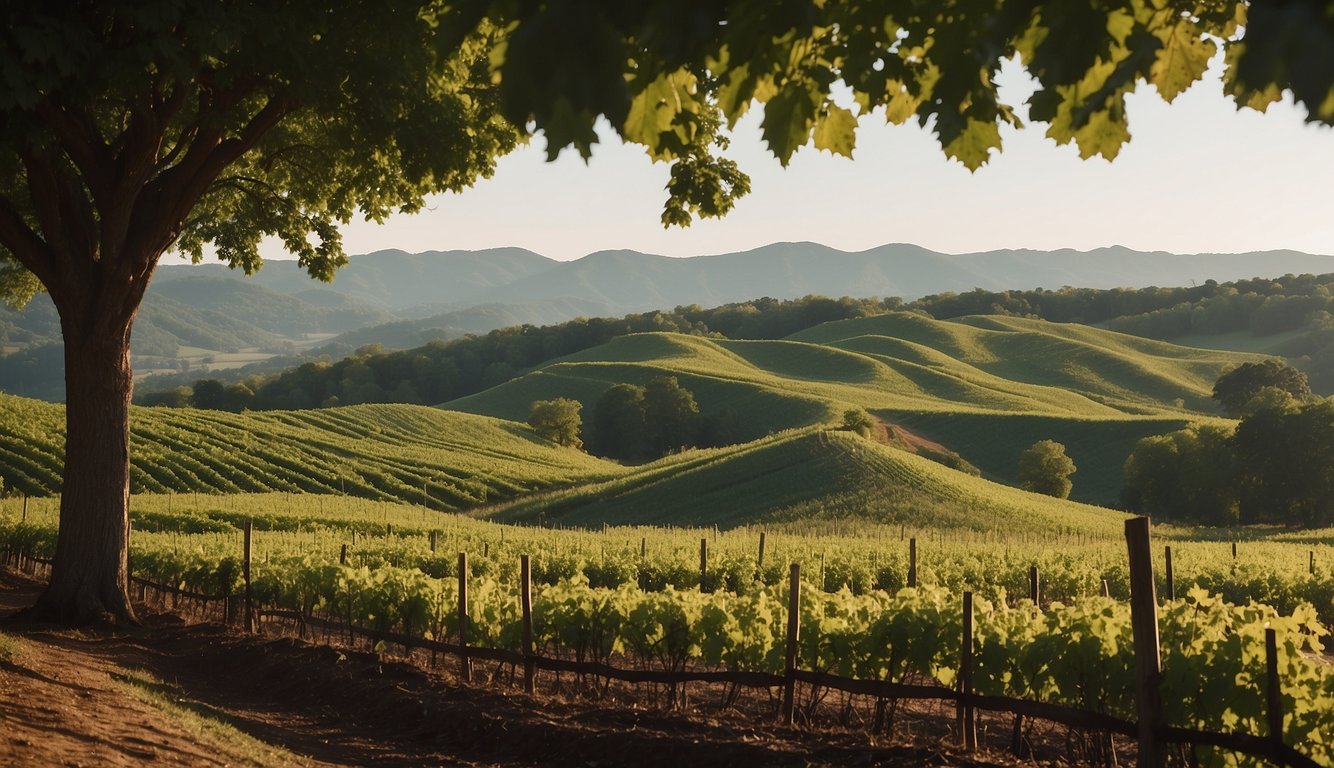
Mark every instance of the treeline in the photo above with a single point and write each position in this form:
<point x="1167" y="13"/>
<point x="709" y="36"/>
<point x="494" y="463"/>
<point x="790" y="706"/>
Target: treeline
<point x="1276" y="467"/>
<point x="445" y="370"/>
<point x="1262" y="307"/>
<point x="633" y="423"/>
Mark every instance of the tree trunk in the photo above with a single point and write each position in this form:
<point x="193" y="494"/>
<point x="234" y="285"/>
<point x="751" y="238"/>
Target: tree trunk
<point x="89" y="579"/>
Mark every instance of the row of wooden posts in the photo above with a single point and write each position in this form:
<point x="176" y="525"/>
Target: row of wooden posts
<point x="1153" y="732"/>
<point x="1151" y="721"/>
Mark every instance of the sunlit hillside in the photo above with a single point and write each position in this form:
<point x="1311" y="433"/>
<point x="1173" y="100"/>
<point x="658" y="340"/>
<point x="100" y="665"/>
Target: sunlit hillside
<point x="807" y="475"/>
<point x="373" y="451"/>
<point x="985" y="387"/>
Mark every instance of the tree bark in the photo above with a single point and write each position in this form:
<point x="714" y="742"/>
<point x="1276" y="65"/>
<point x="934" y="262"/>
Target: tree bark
<point x="90" y="577"/>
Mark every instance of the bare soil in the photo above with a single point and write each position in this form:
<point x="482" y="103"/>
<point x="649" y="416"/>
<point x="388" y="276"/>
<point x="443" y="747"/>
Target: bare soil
<point x="64" y="702"/>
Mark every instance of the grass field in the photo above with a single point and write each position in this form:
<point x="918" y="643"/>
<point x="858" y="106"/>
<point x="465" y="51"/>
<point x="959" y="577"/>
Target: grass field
<point x="373" y="451"/>
<point x="809" y="475"/>
<point x="985" y="387"/>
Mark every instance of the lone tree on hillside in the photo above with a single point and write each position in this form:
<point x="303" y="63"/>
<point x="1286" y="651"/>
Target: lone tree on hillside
<point x="619" y="430"/>
<point x="671" y="415"/>
<point x="1044" y="468"/>
<point x="859" y="421"/>
<point x="1235" y="389"/>
<point x="132" y="128"/>
<point x="557" y="420"/>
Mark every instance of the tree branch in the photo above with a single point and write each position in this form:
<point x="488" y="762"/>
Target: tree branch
<point x="82" y="143"/>
<point x="26" y="245"/>
<point x="45" y="192"/>
<point x="226" y="153"/>
<point x="161" y="211"/>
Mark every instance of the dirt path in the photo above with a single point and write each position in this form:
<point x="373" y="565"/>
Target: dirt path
<point x="198" y="696"/>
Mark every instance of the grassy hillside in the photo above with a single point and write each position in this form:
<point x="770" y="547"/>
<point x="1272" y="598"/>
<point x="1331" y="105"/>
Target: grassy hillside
<point x="1128" y="373"/>
<point x="992" y="443"/>
<point x="377" y="452"/>
<point x="807" y="475"/>
<point x="985" y="387"/>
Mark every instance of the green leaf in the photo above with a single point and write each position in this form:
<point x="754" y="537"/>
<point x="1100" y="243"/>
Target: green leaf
<point x="1182" y="59"/>
<point x="836" y="131"/>
<point x="568" y="126"/>
<point x="788" y="117"/>
<point x="655" y="114"/>
<point x="973" y="145"/>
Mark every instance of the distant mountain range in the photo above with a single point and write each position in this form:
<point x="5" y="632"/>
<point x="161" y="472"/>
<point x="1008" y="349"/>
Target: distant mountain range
<point x="423" y="284"/>
<point x="402" y="300"/>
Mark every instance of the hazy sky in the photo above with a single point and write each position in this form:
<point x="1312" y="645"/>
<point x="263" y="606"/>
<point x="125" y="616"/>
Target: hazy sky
<point x="1197" y="176"/>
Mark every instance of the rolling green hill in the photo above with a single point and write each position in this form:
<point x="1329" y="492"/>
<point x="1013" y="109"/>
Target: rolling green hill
<point x="1128" y="373"/>
<point x="375" y="451"/>
<point x="985" y="387"/>
<point x="807" y="475"/>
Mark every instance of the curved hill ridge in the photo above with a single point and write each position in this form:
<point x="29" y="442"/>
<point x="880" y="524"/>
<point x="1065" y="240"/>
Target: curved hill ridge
<point x="810" y="474"/>
<point x="985" y="387"/>
<point x="903" y="362"/>
<point x="370" y="451"/>
<point x="1134" y="374"/>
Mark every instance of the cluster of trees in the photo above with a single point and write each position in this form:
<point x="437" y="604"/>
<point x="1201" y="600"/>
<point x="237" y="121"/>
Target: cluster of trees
<point x="211" y="394"/>
<point x="1252" y="386"/>
<point x="1276" y="466"/>
<point x="632" y="423"/>
<point x="444" y="370"/>
<point x="1256" y="304"/>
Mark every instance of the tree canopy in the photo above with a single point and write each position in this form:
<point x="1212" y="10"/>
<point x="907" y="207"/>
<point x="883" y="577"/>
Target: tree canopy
<point x="1044" y="468"/>
<point x="1235" y="389"/>
<point x="557" y="420"/>
<point x="1276" y="467"/>
<point x="132" y="128"/>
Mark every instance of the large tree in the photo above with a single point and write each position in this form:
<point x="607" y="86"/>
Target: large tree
<point x="1044" y="468"/>
<point x="1235" y="389"/>
<point x="132" y="128"/>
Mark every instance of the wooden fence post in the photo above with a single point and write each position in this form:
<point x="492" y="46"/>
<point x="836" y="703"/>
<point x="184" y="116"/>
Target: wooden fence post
<point x="1310" y="562"/>
<point x="433" y="542"/>
<point x="912" y="562"/>
<point x="1273" y="688"/>
<point x="1034" y="590"/>
<point x="245" y="573"/>
<point x="526" y="595"/>
<point x="1171" y="586"/>
<point x="703" y="561"/>
<point x="25" y="508"/>
<point x="793" y="627"/>
<point x="342" y="555"/>
<point x="1148" y="657"/>
<point x="966" y="714"/>
<point x="759" y="561"/>
<point x="465" y="663"/>
<point x="643" y="547"/>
